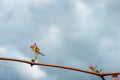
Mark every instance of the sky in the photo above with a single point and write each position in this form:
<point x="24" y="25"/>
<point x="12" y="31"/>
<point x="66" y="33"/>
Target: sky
<point x="75" y="33"/>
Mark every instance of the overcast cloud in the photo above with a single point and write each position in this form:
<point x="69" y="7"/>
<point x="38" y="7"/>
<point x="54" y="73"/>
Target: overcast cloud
<point x="70" y="32"/>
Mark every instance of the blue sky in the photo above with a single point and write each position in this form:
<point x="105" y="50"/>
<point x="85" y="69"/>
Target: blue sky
<point x="70" y="32"/>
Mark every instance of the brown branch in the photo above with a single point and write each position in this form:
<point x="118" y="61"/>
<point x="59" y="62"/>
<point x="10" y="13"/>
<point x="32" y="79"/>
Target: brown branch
<point x="111" y="73"/>
<point x="50" y="65"/>
<point x="60" y="66"/>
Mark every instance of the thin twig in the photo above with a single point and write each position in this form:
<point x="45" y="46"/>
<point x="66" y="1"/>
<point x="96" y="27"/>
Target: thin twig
<point x="50" y="65"/>
<point x="100" y="74"/>
<point x="102" y="77"/>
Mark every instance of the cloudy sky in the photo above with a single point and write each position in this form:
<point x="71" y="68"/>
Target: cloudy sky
<point x="70" y="32"/>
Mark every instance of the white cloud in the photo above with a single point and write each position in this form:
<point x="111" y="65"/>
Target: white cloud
<point x="87" y="25"/>
<point x="2" y="51"/>
<point x="30" y="73"/>
<point x="53" y="36"/>
<point x="23" y="3"/>
<point x="108" y="43"/>
<point x="25" y="70"/>
<point x="109" y="47"/>
<point x="82" y="11"/>
<point x="20" y="8"/>
<point x="102" y="5"/>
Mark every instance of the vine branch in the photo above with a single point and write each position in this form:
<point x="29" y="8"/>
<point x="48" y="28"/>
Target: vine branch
<point x="100" y="74"/>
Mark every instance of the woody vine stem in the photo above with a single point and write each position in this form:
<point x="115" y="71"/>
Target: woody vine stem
<point x="100" y="74"/>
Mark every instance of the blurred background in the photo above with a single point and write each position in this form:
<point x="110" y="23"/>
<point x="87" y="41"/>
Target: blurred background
<point x="69" y="32"/>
